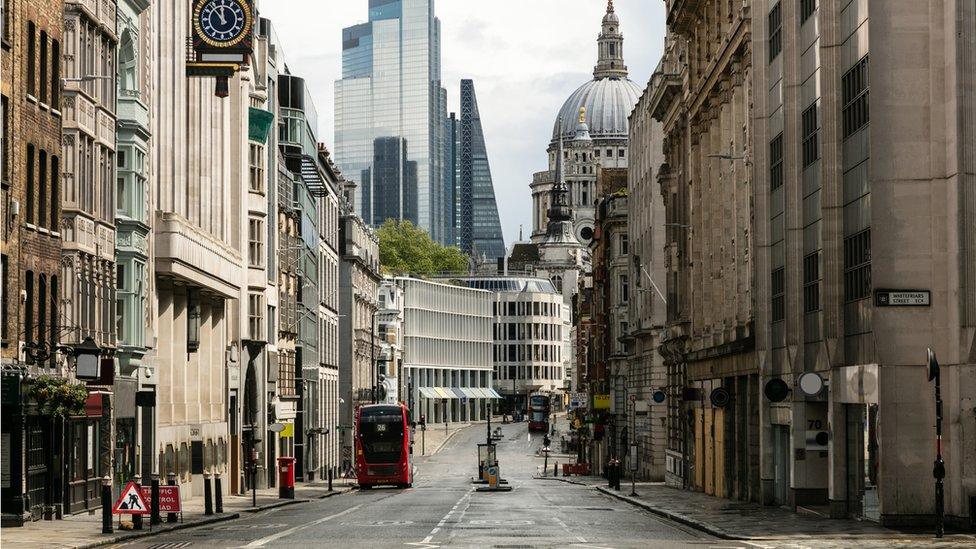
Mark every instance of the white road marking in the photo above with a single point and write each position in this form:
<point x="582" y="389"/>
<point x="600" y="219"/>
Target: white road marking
<point x="443" y="521"/>
<point x="264" y="541"/>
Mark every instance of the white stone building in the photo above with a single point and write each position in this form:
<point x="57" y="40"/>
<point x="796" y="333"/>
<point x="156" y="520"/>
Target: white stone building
<point x="447" y="346"/>
<point x="531" y="350"/>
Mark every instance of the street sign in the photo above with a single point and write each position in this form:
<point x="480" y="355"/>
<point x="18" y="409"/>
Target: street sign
<point x="577" y="400"/>
<point x="276" y="427"/>
<point x="131" y="502"/>
<point x="902" y="298"/>
<point x="169" y="498"/>
<point x="659" y="397"/>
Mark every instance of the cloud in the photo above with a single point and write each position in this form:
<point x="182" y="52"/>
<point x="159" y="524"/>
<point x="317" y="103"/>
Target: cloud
<point x="525" y="56"/>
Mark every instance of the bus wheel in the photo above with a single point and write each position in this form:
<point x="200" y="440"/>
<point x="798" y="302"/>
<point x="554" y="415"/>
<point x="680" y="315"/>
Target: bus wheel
<point x="365" y="486"/>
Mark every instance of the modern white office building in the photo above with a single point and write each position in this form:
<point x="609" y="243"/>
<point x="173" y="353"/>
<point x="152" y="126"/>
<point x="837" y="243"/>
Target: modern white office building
<point x="531" y="336"/>
<point x="447" y="346"/>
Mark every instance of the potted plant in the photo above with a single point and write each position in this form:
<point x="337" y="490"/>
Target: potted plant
<point x="57" y="397"/>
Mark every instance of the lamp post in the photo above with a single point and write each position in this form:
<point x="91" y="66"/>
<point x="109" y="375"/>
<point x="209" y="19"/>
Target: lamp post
<point x="938" y="469"/>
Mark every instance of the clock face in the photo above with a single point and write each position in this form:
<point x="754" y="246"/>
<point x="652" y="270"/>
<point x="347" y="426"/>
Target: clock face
<point x="222" y="23"/>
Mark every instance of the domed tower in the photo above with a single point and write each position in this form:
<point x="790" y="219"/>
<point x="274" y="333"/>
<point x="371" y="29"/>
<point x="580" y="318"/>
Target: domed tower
<point x="593" y="124"/>
<point x="611" y="45"/>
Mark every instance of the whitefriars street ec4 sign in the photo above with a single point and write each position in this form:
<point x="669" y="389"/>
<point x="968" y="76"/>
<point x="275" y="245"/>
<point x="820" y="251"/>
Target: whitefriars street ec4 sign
<point x="902" y="298"/>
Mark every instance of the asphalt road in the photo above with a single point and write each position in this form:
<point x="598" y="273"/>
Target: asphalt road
<point x="443" y="510"/>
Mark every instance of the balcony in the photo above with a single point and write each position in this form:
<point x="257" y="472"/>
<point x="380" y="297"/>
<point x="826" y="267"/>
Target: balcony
<point x="186" y="252"/>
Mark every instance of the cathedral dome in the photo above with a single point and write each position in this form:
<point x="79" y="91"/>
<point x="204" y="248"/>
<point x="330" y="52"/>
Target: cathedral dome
<point x="608" y="103"/>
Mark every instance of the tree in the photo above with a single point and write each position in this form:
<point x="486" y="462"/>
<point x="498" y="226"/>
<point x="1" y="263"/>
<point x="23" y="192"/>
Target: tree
<point x="408" y="249"/>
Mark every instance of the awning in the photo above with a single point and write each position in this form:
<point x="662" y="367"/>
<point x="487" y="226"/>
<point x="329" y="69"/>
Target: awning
<point x="470" y="393"/>
<point x="494" y="393"/>
<point x="427" y="392"/>
<point x="444" y="393"/>
<point x="482" y="392"/>
<point x="458" y="393"/>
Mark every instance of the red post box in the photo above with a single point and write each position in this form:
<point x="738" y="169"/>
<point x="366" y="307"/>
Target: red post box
<point x="286" y="477"/>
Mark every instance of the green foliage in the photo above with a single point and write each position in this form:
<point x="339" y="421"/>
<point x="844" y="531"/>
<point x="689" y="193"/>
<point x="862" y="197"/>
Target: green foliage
<point x="408" y="249"/>
<point x="57" y="396"/>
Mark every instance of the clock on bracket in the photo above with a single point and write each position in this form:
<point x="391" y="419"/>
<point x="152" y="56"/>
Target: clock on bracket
<point x="222" y="39"/>
<point x="223" y="25"/>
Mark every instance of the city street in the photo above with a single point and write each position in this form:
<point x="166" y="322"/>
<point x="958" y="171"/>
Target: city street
<point x="442" y="509"/>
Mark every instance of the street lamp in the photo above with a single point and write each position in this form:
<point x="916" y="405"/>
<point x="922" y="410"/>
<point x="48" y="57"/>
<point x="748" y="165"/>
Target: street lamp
<point x="87" y="354"/>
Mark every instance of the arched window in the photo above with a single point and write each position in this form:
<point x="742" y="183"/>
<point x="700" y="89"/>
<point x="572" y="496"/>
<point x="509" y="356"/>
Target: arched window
<point x="557" y="281"/>
<point x="127" y="63"/>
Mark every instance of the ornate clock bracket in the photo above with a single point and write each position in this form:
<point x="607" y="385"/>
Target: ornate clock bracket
<point x="222" y="40"/>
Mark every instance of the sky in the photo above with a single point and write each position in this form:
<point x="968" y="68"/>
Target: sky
<point x="525" y="56"/>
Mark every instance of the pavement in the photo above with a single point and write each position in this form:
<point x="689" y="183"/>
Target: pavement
<point x="84" y="530"/>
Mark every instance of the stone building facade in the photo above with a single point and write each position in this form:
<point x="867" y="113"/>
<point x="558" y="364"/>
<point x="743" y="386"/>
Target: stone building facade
<point x="359" y="279"/>
<point x="135" y="384"/>
<point x="199" y="258"/>
<point x="799" y="202"/>
<point x="864" y="184"/>
<point x="702" y="97"/>
<point x="30" y="241"/>
<point x="647" y="308"/>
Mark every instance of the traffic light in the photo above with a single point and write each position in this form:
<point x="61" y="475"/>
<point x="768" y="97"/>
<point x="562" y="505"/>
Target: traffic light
<point x="423" y="419"/>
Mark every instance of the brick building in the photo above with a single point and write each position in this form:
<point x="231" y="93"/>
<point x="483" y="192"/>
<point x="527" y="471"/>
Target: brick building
<point x="31" y="245"/>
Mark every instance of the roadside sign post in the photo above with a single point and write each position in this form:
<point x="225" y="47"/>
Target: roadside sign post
<point x="632" y="458"/>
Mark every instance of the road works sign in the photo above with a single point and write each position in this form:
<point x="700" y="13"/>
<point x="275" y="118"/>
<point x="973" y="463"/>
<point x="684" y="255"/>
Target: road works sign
<point x="131" y="502"/>
<point x="169" y="498"/>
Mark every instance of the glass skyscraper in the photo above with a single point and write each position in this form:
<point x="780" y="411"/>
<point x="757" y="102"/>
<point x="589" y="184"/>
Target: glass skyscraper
<point x="479" y="229"/>
<point x="391" y="127"/>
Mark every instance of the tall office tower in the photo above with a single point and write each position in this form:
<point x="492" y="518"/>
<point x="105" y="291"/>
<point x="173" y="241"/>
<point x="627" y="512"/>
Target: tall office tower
<point x="390" y="107"/>
<point x="479" y="230"/>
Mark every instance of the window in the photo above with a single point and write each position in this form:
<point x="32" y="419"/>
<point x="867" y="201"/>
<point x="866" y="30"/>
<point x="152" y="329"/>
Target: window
<point x="5" y="32"/>
<point x="192" y="322"/>
<point x="624" y="288"/>
<point x="857" y="266"/>
<point x="811" y="126"/>
<point x="255" y="317"/>
<point x="256" y="163"/>
<point x="5" y="175"/>
<point x="609" y="153"/>
<point x="624" y="244"/>
<point x="4" y="330"/>
<point x="854" y="86"/>
<point x="596" y="152"/>
<point x="776" y="162"/>
<point x="29" y="306"/>
<point x="779" y="294"/>
<point x="43" y="62"/>
<point x="55" y="190"/>
<point x="807" y="7"/>
<point x="621" y="153"/>
<point x="31" y="58"/>
<point x="811" y="282"/>
<point x="29" y="198"/>
<point x="42" y="197"/>
<point x="255" y="243"/>
<point x="55" y="75"/>
<point x="775" y="32"/>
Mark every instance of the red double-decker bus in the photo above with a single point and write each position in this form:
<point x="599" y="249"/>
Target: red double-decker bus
<point x="383" y="446"/>
<point x="539" y="409"/>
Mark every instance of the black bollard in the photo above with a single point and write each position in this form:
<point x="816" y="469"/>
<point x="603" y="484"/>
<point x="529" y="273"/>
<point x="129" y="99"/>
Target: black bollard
<point x="137" y="518"/>
<point x="171" y="481"/>
<point x="555" y="469"/>
<point x="154" y="518"/>
<point x="207" y="495"/>
<point x="330" y="479"/>
<point x="107" y="505"/>
<point x="218" y="494"/>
